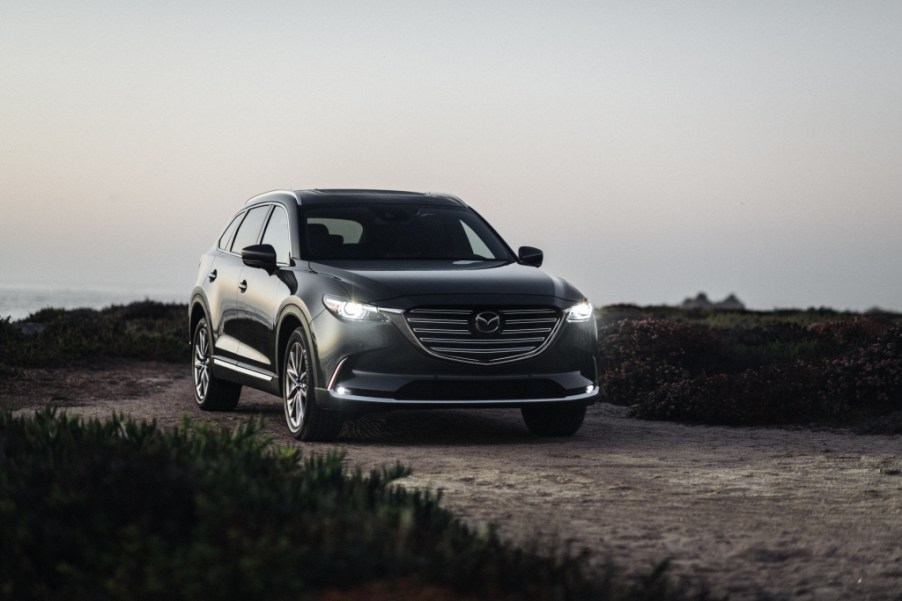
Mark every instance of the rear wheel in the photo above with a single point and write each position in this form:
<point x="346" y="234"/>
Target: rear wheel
<point x="306" y="421"/>
<point x="554" y="421"/>
<point x="210" y="393"/>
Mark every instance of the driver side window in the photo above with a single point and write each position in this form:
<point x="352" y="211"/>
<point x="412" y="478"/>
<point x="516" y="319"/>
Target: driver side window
<point x="249" y="229"/>
<point x="277" y="235"/>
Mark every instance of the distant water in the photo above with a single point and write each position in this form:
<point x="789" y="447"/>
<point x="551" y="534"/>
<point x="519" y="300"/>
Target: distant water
<point x="19" y="302"/>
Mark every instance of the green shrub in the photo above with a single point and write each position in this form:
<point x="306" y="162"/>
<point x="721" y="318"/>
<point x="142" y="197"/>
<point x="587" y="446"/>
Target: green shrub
<point x="58" y="337"/>
<point x="750" y="368"/>
<point x="866" y="379"/>
<point x="766" y="395"/>
<point x="637" y="354"/>
<point x="122" y="510"/>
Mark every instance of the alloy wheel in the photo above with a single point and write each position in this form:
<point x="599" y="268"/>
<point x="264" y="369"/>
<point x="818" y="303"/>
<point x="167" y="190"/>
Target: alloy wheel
<point x="297" y="380"/>
<point x="202" y="360"/>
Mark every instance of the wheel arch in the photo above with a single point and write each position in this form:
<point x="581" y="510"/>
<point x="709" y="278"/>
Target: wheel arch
<point x="198" y="311"/>
<point x="291" y="319"/>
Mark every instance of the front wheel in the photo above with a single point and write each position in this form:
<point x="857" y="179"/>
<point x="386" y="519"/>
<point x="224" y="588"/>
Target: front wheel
<point x="306" y="421"/>
<point x="554" y="421"/>
<point x="210" y="393"/>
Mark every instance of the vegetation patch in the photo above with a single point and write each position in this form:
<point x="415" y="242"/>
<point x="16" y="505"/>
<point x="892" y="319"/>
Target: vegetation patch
<point x="744" y="367"/>
<point x="57" y="337"/>
<point x="702" y="366"/>
<point x="116" y="509"/>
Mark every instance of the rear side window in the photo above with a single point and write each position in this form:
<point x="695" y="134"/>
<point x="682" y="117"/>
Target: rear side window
<point x="249" y="231"/>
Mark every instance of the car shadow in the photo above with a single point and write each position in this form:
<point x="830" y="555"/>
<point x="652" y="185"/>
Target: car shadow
<point x="441" y="427"/>
<point x="419" y="427"/>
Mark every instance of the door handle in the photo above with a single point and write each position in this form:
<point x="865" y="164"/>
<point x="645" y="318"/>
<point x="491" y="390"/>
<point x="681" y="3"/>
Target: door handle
<point x="242" y="286"/>
<point x="212" y="275"/>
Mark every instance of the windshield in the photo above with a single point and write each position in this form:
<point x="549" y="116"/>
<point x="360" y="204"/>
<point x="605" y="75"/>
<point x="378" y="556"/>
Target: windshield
<point x="388" y="232"/>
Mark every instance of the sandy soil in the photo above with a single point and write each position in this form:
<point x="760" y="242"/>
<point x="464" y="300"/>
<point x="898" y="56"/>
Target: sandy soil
<point x="756" y="513"/>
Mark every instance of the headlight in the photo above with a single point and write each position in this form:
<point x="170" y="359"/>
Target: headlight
<point x="351" y="310"/>
<point x="580" y="312"/>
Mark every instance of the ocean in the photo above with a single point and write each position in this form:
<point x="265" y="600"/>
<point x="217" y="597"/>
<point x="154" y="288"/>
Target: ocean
<point x="18" y="302"/>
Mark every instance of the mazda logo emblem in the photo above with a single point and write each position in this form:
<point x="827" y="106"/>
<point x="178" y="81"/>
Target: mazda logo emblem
<point x="487" y="322"/>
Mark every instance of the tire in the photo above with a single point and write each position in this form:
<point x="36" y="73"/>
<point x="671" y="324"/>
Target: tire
<point x="554" y="421"/>
<point x="305" y="420"/>
<point x="210" y="393"/>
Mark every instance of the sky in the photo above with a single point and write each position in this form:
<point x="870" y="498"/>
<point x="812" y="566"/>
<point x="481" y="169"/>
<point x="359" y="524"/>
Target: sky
<point x="653" y="150"/>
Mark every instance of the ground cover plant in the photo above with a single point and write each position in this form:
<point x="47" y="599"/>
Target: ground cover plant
<point x="745" y="367"/>
<point x="58" y="337"/>
<point x="116" y="509"/>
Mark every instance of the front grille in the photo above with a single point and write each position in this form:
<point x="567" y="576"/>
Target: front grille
<point x="476" y="336"/>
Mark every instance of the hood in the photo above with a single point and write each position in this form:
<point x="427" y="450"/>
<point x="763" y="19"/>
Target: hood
<point x="423" y="282"/>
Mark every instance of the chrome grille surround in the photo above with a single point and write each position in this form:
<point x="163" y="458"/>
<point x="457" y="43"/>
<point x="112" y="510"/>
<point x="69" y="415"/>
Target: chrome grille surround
<point x="451" y="332"/>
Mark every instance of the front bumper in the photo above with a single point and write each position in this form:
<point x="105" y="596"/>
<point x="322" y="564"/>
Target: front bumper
<point x="378" y="365"/>
<point x="413" y="391"/>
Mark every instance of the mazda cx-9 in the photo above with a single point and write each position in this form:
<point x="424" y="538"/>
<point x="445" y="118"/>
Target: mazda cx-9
<point x="346" y="301"/>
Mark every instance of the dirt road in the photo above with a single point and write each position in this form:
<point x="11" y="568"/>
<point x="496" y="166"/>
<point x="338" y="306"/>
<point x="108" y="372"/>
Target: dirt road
<point x="757" y="513"/>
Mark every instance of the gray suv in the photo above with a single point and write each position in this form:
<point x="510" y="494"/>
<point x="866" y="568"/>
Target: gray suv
<point x="342" y="301"/>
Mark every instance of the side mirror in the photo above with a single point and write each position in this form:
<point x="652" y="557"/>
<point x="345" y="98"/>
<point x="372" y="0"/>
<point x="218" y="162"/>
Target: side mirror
<point x="527" y="255"/>
<point x="260" y="255"/>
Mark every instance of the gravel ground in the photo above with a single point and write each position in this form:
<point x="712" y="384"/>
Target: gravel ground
<point x="756" y="513"/>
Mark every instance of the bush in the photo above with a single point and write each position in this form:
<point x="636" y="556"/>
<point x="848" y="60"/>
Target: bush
<point x="121" y="510"/>
<point x="58" y="337"/>
<point x="750" y="368"/>
<point x="864" y="380"/>
<point x="771" y="394"/>
<point x="637" y="354"/>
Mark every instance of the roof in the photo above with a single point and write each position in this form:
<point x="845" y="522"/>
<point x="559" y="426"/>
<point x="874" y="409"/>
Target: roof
<point x="339" y="196"/>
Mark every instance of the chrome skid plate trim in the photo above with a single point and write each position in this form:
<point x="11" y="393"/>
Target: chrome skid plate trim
<point x="462" y="403"/>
